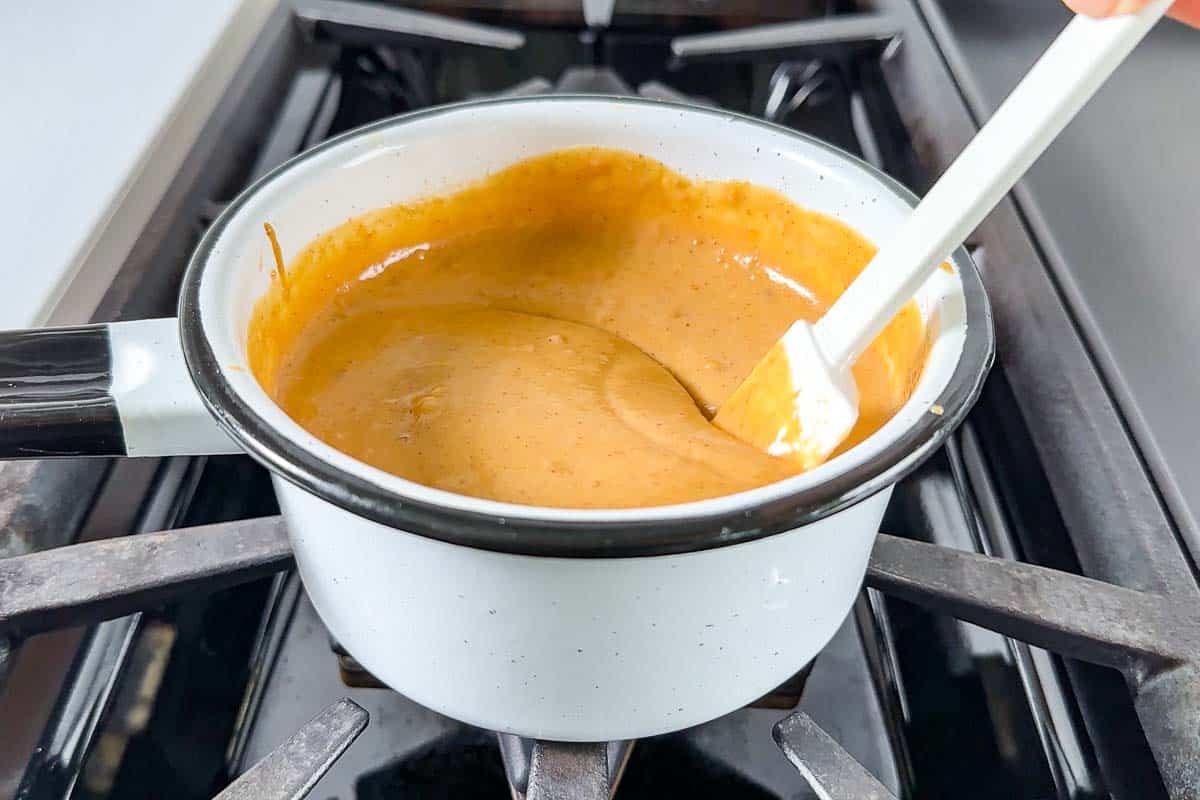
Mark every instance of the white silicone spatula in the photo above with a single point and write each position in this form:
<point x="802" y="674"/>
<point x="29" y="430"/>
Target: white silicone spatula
<point x="800" y="401"/>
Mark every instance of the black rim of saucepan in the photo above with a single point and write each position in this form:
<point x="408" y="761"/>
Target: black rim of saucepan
<point x="583" y="539"/>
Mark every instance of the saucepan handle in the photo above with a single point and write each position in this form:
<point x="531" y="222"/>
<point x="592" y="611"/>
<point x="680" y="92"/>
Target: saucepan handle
<point x="102" y="390"/>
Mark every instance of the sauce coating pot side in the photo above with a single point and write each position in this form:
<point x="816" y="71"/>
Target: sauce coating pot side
<point x="562" y="624"/>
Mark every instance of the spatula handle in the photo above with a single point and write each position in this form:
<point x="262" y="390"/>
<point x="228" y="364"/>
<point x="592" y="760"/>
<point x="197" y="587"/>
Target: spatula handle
<point x="1063" y="79"/>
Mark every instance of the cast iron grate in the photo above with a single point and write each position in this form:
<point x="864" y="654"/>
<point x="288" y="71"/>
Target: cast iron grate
<point x="1154" y="641"/>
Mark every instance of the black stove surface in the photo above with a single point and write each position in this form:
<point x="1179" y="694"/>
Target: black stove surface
<point x="933" y="707"/>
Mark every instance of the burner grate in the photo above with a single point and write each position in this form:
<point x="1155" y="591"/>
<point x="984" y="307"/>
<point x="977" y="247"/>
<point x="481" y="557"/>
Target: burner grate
<point x="1153" y="640"/>
<point x="293" y="768"/>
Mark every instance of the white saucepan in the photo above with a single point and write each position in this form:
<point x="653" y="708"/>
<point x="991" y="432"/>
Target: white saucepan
<point x="550" y="623"/>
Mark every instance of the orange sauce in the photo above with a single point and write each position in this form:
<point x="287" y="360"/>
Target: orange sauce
<point x="560" y="333"/>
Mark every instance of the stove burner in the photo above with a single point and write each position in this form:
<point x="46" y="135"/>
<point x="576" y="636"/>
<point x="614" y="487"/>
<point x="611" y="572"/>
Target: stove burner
<point x="360" y="61"/>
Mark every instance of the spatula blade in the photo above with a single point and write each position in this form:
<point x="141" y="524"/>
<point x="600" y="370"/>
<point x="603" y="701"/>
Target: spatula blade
<point x="794" y="404"/>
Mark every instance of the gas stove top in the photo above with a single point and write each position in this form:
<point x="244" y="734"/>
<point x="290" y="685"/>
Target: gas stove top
<point x="224" y="665"/>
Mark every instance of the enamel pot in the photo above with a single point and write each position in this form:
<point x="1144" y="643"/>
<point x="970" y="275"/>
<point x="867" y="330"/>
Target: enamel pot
<point x="550" y="623"/>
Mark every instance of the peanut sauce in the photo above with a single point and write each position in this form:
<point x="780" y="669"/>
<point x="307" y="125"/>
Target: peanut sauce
<point x="561" y="332"/>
